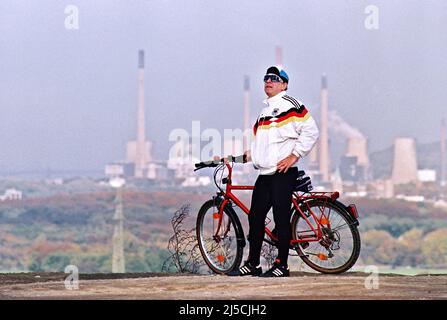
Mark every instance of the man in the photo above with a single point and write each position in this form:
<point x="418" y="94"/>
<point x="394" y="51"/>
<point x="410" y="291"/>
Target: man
<point x="284" y="133"/>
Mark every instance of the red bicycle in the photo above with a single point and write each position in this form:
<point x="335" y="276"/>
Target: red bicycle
<point x="324" y="231"/>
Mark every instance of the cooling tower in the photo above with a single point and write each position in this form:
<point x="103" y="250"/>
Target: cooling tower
<point x="405" y="161"/>
<point x="358" y="147"/>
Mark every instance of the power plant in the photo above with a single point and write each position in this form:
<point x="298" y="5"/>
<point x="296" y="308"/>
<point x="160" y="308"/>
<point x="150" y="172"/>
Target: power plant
<point x="139" y="162"/>
<point x="352" y="173"/>
<point x="139" y="151"/>
<point x="354" y="164"/>
<point x="357" y="155"/>
<point x="405" y="169"/>
<point x="358" y="147"/>
<point x="351" y="177"/>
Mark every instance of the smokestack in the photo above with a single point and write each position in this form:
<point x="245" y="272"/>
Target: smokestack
<point x="278" y="55"/>
<point x="443" y="159"/>
<point x="405" y="161"/>
<point x="247" y="125"/>
<point x="141" y="145"/>
<point x="324" y="138"/>
<point x="141" y="59"/>
<point x="139" y="150"/>
<point x="141" y="129"/>
<point x="323" y="82"/>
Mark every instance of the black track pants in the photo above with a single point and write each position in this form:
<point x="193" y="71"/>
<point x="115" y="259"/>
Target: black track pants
<point x="271" y="191"/>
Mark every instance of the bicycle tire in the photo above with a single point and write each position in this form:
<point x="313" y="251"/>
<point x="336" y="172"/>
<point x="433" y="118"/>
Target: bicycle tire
<point x="356" y="242"/>
<point x="236" y="251"/>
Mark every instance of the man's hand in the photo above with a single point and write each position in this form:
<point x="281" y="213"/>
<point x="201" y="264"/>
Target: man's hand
<point x="247" y="155"/>
<point x="217" y="158"/>
<point x="286" y="163"/>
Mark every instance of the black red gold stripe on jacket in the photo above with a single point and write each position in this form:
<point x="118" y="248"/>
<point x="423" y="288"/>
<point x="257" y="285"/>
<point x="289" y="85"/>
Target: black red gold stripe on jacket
<point x="293" y="114"/>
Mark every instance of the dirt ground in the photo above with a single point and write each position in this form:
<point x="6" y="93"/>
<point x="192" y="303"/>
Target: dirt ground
<point x="162" y="286"/>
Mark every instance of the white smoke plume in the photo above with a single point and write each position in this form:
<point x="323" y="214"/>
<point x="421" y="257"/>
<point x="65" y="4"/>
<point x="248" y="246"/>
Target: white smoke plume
<point x="338" y="126"/>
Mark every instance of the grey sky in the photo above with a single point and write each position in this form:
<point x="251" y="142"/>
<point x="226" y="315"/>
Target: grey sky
<point x="68" y="98"/>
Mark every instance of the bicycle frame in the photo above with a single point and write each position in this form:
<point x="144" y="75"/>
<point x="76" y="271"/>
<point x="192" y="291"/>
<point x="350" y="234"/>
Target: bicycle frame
<point x="296" y="200"/>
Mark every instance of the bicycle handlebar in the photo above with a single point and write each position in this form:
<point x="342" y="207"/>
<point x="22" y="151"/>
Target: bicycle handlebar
<point x="215" y="163"/>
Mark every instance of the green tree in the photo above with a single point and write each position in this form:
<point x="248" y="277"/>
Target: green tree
<point x="379" y="247"/>
<point x="434" y="247"/>
<point x="410" y="253"/>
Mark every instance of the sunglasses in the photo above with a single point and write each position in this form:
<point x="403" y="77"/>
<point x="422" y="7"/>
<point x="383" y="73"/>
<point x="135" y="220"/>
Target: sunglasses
<point x="272" y="78"/>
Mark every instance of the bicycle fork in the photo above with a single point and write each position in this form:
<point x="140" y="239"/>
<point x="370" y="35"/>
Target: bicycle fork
<point x="222" y="204"/>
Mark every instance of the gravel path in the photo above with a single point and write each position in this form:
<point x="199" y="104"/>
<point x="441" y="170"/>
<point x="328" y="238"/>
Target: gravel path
<point x="156" y="286"/>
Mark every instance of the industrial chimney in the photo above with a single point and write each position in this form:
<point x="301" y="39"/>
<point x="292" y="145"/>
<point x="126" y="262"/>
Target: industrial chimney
<point x="324" y="138"/>
<point x="139" y="151"/>
<point x="278" y="56"/>
<point x="443" y="160"/>
<point x="247" y="125"/>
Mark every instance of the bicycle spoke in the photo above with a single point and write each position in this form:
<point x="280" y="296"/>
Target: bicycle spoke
<point x="344" y="226"/>
<point x="337" y="243"/>
<point x="218" y="239"/>
<point x="218" y="250"/>
<point x="340" y="219"/>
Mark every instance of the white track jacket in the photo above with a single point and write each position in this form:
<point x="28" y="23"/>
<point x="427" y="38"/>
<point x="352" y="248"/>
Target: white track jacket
<point x="283" y="127"/>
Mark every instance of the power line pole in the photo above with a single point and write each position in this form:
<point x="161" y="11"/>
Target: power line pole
<point x="118" y="261"/>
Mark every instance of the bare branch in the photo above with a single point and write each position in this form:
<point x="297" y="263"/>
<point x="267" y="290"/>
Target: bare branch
<point x="185" y="254"/>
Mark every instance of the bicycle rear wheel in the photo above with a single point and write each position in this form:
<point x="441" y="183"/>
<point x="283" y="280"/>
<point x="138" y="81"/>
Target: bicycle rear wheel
<point x="218" y="242"/>
<point x="339" y="248"/>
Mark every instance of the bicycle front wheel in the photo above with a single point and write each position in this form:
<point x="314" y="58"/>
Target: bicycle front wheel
<point x="339" y="246"/>
<point x="217" y="238"/>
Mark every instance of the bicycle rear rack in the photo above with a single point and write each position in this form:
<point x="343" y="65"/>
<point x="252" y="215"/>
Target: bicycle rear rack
<point x="333" y="195"/>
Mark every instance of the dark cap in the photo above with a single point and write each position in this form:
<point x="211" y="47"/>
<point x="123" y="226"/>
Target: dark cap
<point x="279" y="72"/>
